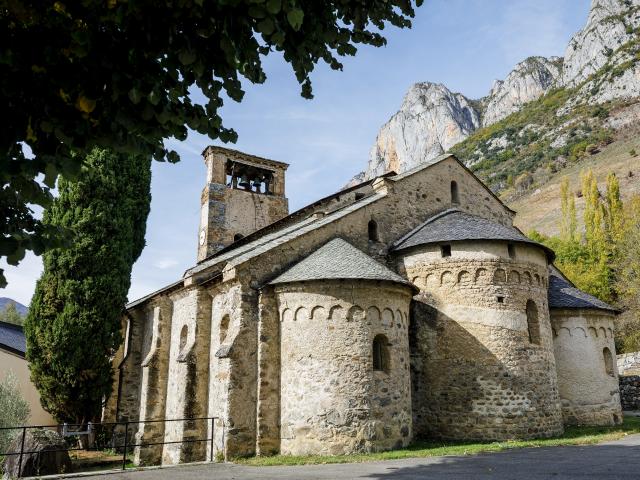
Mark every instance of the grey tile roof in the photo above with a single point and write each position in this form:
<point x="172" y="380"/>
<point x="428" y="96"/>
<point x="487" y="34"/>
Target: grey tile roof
<point x="12" y="338"/>
<point x="455" y="225"/>
<point x="563" y="294"/>
<point x="339" y="260"/>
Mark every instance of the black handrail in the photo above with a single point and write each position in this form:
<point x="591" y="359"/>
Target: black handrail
<point x="125" y="446"/>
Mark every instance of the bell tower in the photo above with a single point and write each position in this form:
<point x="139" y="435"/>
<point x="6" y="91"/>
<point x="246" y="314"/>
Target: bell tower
<point x="244" y="193"/>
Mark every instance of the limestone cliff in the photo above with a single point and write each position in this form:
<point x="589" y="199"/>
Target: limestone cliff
<point x="601" y="64"/>
<point x="611" y="24"/>
<point x="430" y="121"/>
<point x="528" y="81"/>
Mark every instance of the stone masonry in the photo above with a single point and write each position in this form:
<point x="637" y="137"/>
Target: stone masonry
<point x="405" y="306"/>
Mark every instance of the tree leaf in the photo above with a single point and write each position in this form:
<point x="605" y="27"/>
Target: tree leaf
<point x="295" y="18"/>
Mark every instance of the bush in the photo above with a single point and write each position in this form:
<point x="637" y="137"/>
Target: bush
<point x="14" y="410"/>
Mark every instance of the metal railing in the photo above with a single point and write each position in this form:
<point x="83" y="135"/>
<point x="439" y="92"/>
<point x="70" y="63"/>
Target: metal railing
<point x="108" y="440"/>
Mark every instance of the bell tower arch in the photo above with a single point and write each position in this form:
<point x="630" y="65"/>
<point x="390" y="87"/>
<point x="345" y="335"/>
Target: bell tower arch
<point x="244" y="193"/>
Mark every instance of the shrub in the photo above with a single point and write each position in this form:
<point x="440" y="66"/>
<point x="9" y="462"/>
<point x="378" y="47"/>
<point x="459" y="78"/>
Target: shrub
<point x="14" y="410"/>
<point x="633" y="152"/>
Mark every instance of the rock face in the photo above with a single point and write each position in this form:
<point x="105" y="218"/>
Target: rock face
<point x="601" y="61"/>
<point x="528" y="81"/>
<point x="610" y="25"/>
<point x="430" y="121"/>
<point x="48" y="459"/>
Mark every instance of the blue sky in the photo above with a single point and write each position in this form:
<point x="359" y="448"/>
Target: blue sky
<point x="464" y="44"/>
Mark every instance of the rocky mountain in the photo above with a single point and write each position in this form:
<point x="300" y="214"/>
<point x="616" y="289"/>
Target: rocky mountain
<point x="528" y="81"/>
<point x="601" y="67"/>
<point x="430" y="121"/>
<point x="5" y="302"/>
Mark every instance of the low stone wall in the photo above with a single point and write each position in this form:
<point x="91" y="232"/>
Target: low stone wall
<point x="629" y="363"/>
<point x="630" y="392"/>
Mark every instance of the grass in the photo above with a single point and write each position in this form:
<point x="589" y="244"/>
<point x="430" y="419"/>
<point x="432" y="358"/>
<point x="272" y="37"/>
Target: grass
<point x="421" y="448"/>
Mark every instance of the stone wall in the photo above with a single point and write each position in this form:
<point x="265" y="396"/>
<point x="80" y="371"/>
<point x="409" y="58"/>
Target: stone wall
<point x="188" y="377"/>
<point x="587" y="374"/>
<point x="630" y="392"/>
<point x="153" y="381"/>
<point x="476" y="371"/>
<point x="629" y="363"/>
<point x="332" y="400"/>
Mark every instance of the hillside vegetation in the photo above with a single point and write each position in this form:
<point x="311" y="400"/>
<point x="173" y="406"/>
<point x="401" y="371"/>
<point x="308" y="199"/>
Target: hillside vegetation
<point x="558" y="130"/>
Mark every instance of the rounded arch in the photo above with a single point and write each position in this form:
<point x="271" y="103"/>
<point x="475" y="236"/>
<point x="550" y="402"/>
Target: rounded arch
<point x="301" y="314"/>
<point x="318" y="313"/>
<point x="372" y="229"/>
<point x="514" y="276"/>
<point x="455" y="194"/>
<point x="464" y="277"/>
<point x="608" y="361"/>
<point x="446" y="278"/>
<point x="373" y="314"/>
<point x="399" y="318"/>
<point x="500" y="276"/>
<point x="286" y="315"/>
<point x="387" y="317"/>
<point x="355" y="313"/>
<point x="481" y="274"/>
<point x="533" y="322"/>
<point x="335" y="312"/>
<point x="380" y="352"/>
<point x="526" y="278"/>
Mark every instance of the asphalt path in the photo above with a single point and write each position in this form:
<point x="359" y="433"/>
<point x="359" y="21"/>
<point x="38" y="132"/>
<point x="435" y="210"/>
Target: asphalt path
<point x="606" y="461"/>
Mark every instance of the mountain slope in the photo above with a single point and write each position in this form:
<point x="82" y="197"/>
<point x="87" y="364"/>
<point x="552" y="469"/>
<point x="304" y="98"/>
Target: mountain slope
<point x="546" y="112"/>
<point x="539" y="208"/>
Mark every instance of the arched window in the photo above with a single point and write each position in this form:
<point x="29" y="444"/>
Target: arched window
<point x="608" y="361"/>
<point x="455" y="198"/>
<point x="373" y="230"/>
<point x="238" y="236"/>
<point x="224" y="328"/>
<point x="533" y="324"/>
<point x="183" y="337"/>
<point x="380" y="353"/>
<point x="511" y="249"/>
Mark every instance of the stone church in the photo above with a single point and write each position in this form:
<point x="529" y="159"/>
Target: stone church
<point x="405" y="306"/>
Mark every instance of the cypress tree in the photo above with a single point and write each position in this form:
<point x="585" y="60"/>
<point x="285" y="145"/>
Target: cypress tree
<point x="73" y="325"/>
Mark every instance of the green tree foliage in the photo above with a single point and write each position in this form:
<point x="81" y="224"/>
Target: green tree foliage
<point x="10" y="315"/>
<point x="614" y="214"/>
<point x="627" y="282"/>
<point x="14" y="410"/>
<point x="73" y="325"/>
<point x="606" y="261"/>
<point x="121" y="75"/>
<point x="569" y="222"/>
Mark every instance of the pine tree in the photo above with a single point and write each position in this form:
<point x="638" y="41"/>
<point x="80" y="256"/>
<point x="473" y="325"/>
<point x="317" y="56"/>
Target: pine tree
<point x="73" y="325"/>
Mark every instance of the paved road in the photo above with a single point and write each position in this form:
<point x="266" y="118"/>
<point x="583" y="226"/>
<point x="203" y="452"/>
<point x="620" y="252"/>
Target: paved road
<point x="606" y="461"/>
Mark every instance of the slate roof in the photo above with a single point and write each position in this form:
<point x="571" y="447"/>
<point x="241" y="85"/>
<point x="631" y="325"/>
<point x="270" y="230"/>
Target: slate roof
<point x="12" y="339"/>
<point x="339" y="260"/>
<point x="455" y="225"/>
<point x="563" y="294"/>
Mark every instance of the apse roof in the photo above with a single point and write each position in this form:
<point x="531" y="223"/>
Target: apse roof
<point x="339" y="260"/>
<point x="455" y="225"/>
<point x="563" y="294"/>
